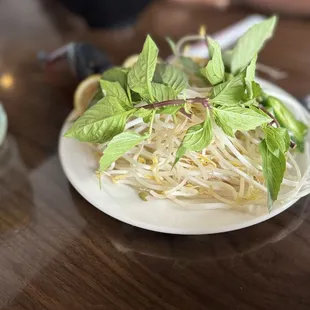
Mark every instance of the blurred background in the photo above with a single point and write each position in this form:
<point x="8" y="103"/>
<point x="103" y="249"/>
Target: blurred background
<point x="38" y="97"/>
<point x="118" y="27"/>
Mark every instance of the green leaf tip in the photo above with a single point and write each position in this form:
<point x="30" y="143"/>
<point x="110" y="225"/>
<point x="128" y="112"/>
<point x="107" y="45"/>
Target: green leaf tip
<point x="251" y="43"/>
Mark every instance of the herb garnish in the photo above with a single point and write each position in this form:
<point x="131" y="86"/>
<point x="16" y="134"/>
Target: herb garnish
<point x="235" y="102"/>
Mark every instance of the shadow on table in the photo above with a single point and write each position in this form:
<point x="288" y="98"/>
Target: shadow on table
<point x="131" y="240"/>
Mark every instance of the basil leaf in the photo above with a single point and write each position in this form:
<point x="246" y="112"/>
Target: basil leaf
<point x="226" y="127"/>
<point x="229" y="131"/>
<point x="119" y="146"/>
<point x="256" y="109"/>
<point x="146" y="114"/>
<point x="273" y="170"/>
<point x="141" y="74"/>
<point x="117" y="74"/>
<point x="251" y="104"/>
<point x="192" y="69"/>
<point x="251" y="43"/>
<point x="228" y="77"/>
<point x="190" y="65"/>
<point x="229" y="93"/>
<point x="180" y="152"/>
<point x="198" y="136"/>
<point x="227" y="57"/>
<point x="120" y="75"/>
<point x="277" y="140"/>
<point x="170" y="76"/>
<point x="101" y="122"/>
<point x="238" y="118"/>
<point x="287" y="120"/>
<point x="115" y="89"/>
<point x="95" y="99"/>
<point x="135" y="97"/>
<point x="250" y="76"/>
<point x="162" y="92"/>
<point x="141" y="112"/>
<point x="170" y="109"/>
<point x="257" y="90"/>
<point x="214" y="71"/>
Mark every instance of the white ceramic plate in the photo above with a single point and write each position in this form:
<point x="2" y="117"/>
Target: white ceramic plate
<point x="123" y="203"/>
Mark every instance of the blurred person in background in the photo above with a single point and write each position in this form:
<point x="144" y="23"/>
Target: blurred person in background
<point x="292" y="7"/>
<point x="114" y="24"/>
<point x="118" y="13"/>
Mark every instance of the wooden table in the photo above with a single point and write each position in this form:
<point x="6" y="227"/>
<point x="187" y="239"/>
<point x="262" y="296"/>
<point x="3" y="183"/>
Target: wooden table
<point x="58" y="252"/>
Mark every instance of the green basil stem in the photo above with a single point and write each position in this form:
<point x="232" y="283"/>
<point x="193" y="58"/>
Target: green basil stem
<point x="151" y="122"/>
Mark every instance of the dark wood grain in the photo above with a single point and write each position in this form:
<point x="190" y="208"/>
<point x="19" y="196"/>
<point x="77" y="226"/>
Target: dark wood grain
<point x="57" y="252"/>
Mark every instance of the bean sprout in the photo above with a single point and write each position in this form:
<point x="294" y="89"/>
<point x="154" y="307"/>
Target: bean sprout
<point x="226" y="174"/>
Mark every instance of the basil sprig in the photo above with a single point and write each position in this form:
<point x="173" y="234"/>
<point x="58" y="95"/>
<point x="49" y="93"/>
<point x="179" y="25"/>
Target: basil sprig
<point x="234" y="103"/>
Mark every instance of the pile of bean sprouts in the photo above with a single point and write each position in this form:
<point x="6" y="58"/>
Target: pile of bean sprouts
<point x="226" y="174"/>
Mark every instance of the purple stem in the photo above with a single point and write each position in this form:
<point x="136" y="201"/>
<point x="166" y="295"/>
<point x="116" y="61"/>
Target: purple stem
<point x="166" y="103"/>
<point x="185" y="113"/>
<point x="274" y="120"/>
<point x="205" y="103"/>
